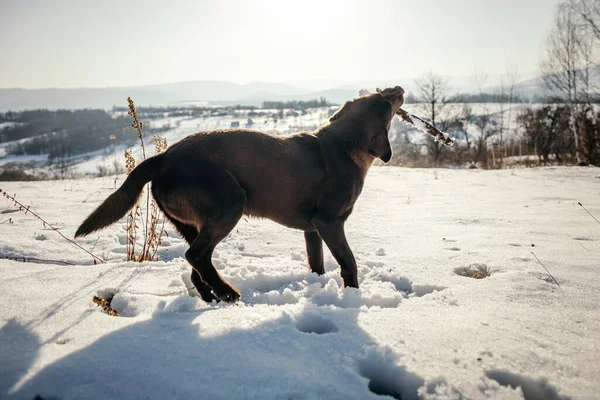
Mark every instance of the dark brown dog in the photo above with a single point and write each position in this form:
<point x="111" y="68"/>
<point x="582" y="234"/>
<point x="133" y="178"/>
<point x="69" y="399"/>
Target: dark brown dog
<point x="308" y="181"/>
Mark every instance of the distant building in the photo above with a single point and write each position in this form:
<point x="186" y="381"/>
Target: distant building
<point x="235" y="124"/>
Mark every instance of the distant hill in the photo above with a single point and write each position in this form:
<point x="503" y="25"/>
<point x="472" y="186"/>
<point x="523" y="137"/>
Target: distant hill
<point x="534" y="87"/>
<point x="150" y="95"/>
<point x="221" y="93"/>
<point x="180" y="93"/>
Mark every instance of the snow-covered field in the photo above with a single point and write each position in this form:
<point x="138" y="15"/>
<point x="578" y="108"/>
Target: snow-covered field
<point x="91" y="163"/>
<point x="417" y="327"/>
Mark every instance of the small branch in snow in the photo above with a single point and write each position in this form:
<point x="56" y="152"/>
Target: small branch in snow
<point x="35" y="260"/>
<point x="95" y="243"/>
<point x="555" y="281"/>
<point x="418" y="123"/>
<point x="47" y="225"/>
<point x="586" y="210"/>
<point x="90" y="195"/>
<point x="186" y="290"/>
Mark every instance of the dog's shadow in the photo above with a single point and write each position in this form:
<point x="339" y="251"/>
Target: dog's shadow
<point x="320" y="352"/>
<point x="19" y="349"/>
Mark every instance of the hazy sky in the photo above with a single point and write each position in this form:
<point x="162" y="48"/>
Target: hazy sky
<point x="318" y="42"/>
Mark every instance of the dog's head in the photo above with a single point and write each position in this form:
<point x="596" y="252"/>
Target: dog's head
<point x="373" y="113"/>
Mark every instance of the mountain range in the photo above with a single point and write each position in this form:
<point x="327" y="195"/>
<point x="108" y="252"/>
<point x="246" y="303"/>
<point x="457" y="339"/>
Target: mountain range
<point x="200" y="92"/>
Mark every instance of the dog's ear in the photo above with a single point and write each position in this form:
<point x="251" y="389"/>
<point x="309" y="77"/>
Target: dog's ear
<point x="380" y="115"/>
<point x="381" y="109"/>
<point x="394" y="95"/>
<point x="339" y="112"/>
<point x="380" y="147"/>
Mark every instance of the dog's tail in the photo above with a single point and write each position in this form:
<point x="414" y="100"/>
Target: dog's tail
<point x="121" y="201"/>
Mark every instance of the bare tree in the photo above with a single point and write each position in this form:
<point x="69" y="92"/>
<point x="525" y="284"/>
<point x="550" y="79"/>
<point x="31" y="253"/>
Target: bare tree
<point x="503" y="90"/>
<point x="589" y="10"/>
<point x="566" y="69"/>
<point x="484" y="122"/>
<point x="433" y="97"/>
<point x="562" y="63"/>
<point x="467" y="117"/>
<point x="61" y="165"/>
<point x="464" y="124"/>
<point x="512" y="76"/>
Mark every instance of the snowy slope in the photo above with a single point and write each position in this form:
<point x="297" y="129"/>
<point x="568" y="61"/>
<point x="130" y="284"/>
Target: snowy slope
<point x="416" y="328"/>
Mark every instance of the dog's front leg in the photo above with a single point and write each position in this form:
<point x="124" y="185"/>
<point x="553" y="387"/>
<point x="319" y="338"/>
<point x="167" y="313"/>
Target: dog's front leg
<point x="332" y="233"/>
<point x="314" y="251"/>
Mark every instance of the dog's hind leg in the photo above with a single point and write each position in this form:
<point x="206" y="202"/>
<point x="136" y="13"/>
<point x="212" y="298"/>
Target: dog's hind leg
<point x="332" y="233"/>
<point x="190" y="234"/>
<point x="200" y="253"/>
<point x="229" y="200"/>
<point x="314" y="251"/>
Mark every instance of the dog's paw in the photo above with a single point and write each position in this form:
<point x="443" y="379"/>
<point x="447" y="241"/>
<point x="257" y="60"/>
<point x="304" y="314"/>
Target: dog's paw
<point x="227" y="294"/>
<point x="207" y="294"/>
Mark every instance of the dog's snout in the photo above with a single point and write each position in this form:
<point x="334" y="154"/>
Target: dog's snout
<point x="400" y="96"/>
<point x="386" y="157"/>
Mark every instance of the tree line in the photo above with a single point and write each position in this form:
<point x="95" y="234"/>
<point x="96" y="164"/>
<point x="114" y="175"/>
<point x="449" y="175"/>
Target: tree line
<point x="295" y="104"/>
<point x="56" y="132"/>
<point x="562" y="126"/>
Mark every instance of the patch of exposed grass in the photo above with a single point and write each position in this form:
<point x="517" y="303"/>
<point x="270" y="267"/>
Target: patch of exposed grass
<point x="106" y="307"/>
<point x="475" y="271"/>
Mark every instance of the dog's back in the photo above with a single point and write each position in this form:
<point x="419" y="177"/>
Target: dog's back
<point x="282" y="176"/>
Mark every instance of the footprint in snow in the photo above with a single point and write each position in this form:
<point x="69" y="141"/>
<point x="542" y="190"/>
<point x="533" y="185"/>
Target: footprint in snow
<point x="407" y="288"/>
<point x="387" y="378"/>
<point x="315" y="323"/>
<point x="533" y="389"/>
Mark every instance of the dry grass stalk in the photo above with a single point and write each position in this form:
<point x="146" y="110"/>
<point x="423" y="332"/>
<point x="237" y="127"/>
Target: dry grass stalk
<point x="137" y="125"/>
<point x="586" y="210"/>
<point x="132" y="226"/>
<point x="476" y="274"/>
<point x="27" y="210"/>
<point x="160" y="146"/>
<point x="551" y="276"/>
<point x="153" y="217"/>
<point x="105" y="304"/>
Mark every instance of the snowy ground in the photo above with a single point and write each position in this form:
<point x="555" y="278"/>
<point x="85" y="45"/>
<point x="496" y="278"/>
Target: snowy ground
<point x="416" y="328"/>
